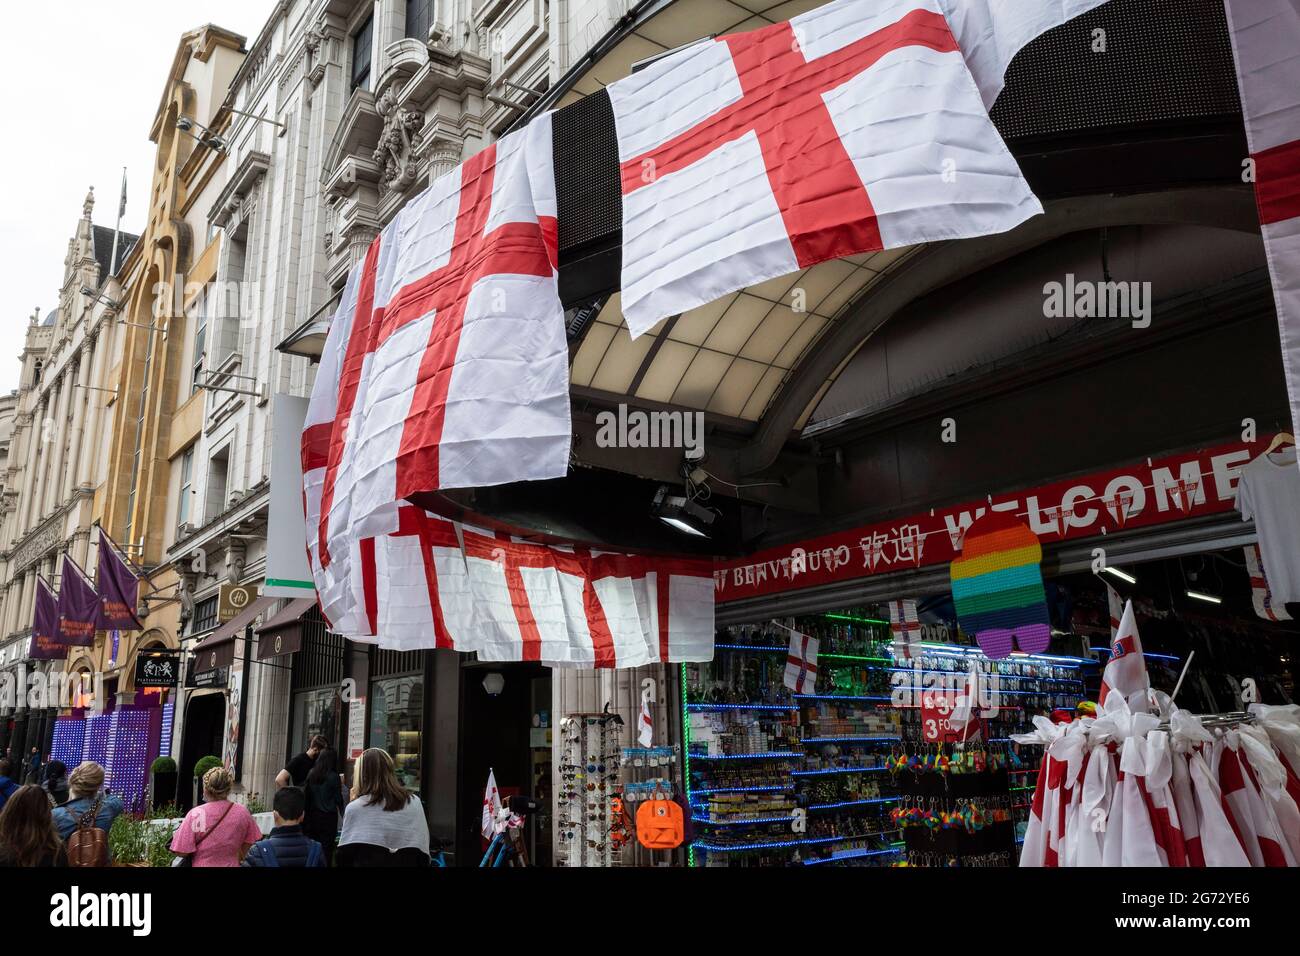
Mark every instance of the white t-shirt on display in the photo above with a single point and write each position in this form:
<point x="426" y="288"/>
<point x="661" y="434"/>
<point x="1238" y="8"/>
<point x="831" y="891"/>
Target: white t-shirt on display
<point x="1269" y="492"/>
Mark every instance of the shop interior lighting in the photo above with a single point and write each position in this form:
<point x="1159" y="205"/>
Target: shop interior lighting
<point x="852" y="855"/>
<point x="682" y="514"/>
<point x="1157" y="657"/>
<point x="835" y="770"/>
<point x="854" y="620"/>
<point x="857" y="803"/>
<point x="836" y="697"/>
<point x="702" y="707"/>
<point x="751" y="647"/>
<point x="1122" y="575"/>
<point x="791" y="754"/>
<point x="1202" y="596"/>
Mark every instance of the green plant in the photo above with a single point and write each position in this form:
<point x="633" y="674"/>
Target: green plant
<point x="254" y="803"/>
<point x="168" y="811"/>
<point x="158" y="844"/>
<point x="204" y="765"/>
<point x="163" y="765"/>
<point x="128" y="840"/>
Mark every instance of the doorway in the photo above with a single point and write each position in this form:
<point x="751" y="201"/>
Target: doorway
<point x="497" y="734"/>
<point x="205" y="720"/>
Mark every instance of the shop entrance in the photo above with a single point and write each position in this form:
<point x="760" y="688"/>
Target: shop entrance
<point x="205" y="717"/>
<point x="498" y="733"/>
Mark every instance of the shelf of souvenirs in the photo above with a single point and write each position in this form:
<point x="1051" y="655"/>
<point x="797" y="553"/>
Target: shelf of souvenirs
<point x="722" y="842"/>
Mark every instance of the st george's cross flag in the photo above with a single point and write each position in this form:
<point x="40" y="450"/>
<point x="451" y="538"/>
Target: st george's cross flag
<point x="568" y="607"/>
<point x="1266" y="46"/>
<point x="858" y="126"/>
<point x="801" y="663"/>
<point x="1126" y="672"/>
<point x="491" y="806"/>
<point x="446" y="365"/>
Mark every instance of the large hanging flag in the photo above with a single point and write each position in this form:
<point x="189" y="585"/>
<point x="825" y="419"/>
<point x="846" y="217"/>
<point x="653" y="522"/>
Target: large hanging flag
<point x="45" y="644"/>
<point x="1266" y="45"/>
<point x="1261" y="595"/>
<point x="118" y="587"/>
<point x="1126" y="672"/>
<point x="446" y="365"/>
<point x="78" y="605"/>
<point x="851" y="128"/>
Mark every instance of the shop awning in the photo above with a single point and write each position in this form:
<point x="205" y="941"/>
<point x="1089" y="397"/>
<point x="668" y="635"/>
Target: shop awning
<point x="282" y="634"/>
<point x="218" y="648"/>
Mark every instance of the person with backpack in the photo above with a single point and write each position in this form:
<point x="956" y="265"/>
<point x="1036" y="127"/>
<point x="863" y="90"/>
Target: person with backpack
<point x="287" y="845"/>
<point x="84" y="821"/>
<point x="8" y="786"/>
<point x="218" y="832"/>
<point x="326" y="797"/>
<point x="27" y="834"/>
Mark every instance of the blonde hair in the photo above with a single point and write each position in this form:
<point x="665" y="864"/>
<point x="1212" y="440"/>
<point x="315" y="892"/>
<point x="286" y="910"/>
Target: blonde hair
<point x="86" y="779"/>
<point x="375" y="778"/>
<point x="218" y="781"/>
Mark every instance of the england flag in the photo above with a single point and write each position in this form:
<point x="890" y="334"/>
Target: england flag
<point x="854" y="127"/>
<point x="1126" y="673"/>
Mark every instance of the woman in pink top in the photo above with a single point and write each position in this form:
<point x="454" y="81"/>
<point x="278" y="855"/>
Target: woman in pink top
<point x="217" y="832"/>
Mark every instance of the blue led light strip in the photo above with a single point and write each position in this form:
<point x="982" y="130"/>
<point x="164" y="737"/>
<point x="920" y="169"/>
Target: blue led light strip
<point x="752" y="647"/>
<point x="836" y="697"/>
<point x="814" y="841"/>
<point x="773" y="789"/>
<point x="786" y="754"/>
<point x="854" y="854"/>
<point x="702" y="707"/>
<point x="849" y="740"/>
<point x="835" y="770"/>
<point x="852" y="803"/>
<point x="740" y="823"/>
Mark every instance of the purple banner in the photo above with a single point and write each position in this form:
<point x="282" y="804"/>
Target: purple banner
<point x="78" y="606"/>
<point x="45" y="626"/>
<point x="119" y="589"/>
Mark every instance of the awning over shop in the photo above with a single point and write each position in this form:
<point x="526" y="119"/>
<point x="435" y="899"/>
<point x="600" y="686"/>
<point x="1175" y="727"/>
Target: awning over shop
<point x="218" y="648"/>
<point x="282" y="634"/>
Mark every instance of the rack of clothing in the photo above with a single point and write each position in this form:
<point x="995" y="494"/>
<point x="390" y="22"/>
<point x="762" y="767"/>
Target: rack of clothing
<point x="1167" y="789"/>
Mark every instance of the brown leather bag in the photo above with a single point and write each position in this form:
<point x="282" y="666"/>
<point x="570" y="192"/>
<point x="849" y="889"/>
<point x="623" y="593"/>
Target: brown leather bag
<point x="88" y="845"/>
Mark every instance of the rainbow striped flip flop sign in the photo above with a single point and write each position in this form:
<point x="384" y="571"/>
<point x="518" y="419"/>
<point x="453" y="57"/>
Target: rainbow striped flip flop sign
<point x="997" y="586"/>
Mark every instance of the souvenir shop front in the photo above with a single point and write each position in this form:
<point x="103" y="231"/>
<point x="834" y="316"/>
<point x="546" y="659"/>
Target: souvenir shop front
<point x="869" y="759"/>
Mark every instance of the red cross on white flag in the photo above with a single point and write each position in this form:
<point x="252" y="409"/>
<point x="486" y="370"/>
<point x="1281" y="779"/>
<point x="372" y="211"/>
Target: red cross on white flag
<point x="1266" y="45"/>
<point x="801" y="664"/>
<point x="851" y="128"/>
<point x="1126" y="672"/>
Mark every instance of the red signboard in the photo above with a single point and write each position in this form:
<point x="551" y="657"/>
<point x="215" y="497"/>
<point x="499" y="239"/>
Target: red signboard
<point x="1150" y="493"/>
<point x="941" y="723"/>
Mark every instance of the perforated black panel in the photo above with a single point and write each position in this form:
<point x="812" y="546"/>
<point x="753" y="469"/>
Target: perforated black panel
<point x="1163" y="60"/>
<point x="586" y="172"/>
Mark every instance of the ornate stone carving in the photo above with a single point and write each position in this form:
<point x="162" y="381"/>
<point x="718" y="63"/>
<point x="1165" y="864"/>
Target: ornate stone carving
<point x="397" y="152"/>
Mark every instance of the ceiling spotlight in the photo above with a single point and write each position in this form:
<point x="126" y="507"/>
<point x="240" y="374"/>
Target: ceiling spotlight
<point x="1202" y="596"/>
<point x="1123" y="576"/>
<point x="682" y="514"/>
<point x="494" y="683"/>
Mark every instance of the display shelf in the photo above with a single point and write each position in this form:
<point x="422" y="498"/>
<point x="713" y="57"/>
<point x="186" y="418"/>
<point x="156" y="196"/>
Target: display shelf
<point x="829" y="771"/>
<point x="772" y="789"/>
<point x="775" y="755"/>
<point x="850" y="740"/>
<point x="779" y="844"/>
<point x="852" y="803"/>
<point x="855" y="855"/>
<point x="705" y="708"/>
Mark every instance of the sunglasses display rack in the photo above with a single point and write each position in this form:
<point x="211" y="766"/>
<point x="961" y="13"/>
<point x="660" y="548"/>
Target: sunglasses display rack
<point x="779" y="779"/>
<point x="592" y="821"/>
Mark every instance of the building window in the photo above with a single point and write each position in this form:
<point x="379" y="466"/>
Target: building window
<point x="200" y="341"/>
<point x="183" y="509"/>
<point x="419" y="17"/>
<point x="396" y="723"/>
<point x="362" y="50"/>
<point x="218" y="475"/>
<point x="205" y="615"/>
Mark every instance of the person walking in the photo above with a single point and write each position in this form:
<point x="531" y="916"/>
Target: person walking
<point x="382" y="813"/>
<point x="34" y="767"/>
<point x="56" y="782"/>
<point x="326" y="797"/>
<point x="8" y="786"/>
<point x="295" y="771"/>
<point x="287" y="845"/>
<point x="217" y="832"/>
<point x="84" y="789"/>
<point x="27" y="834"/>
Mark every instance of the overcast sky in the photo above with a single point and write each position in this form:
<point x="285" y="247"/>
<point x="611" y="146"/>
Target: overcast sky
<point x="80" y="81"/>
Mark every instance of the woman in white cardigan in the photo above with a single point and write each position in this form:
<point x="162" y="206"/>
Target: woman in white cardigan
<point x="381" y="812"/>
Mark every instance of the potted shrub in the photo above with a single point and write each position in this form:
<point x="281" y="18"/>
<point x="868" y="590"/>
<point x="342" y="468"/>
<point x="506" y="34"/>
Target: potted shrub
<point x="163" y="782"/>
<point x="203" y="765"/>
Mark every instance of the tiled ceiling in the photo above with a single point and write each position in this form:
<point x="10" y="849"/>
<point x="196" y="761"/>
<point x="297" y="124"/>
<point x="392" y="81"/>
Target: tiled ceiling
<point x="731" y="356"/>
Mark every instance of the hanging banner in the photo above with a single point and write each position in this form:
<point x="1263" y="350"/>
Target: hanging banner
<point x="287" y="573"/>
<point x="118" y="586"/>
<point x="78" y="606"/>
<point x="45" y="625"/>
<point x="1155" y="492"/>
